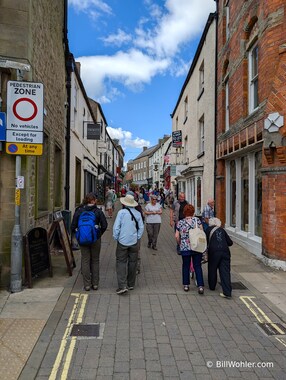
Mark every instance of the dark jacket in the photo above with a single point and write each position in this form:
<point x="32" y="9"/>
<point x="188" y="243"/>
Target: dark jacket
<point x="100" y="217"/>
<point x="220" y="240"/>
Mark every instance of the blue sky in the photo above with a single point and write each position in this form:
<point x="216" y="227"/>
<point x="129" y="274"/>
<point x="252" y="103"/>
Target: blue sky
<point x="134" y="57"/>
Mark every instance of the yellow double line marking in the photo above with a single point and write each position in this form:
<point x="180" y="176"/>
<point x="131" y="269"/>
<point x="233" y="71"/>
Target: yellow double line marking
<point x="261" y="316"/>
<point x="78" y="309"/>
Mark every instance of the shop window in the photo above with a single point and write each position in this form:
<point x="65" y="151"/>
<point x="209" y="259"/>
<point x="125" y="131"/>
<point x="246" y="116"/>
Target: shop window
<point x="232" y="188"/>
<point x="77" y="182"/>
<point x="58" y="177"/>
<point x="244" y="194"/>
<point x="199" y="196"/>
<point x="43" y="178"/>
<point x="258" y="194"/>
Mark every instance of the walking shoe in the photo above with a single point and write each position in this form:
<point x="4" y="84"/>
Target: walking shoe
<point x="224" y="296"/>
<point x="155" y="248"/>
<point x="94" y="287"/>
<point x="130" y="287"/>
<point x="201" y="290"/>
<point x="121" y="290"/>
<point x="186" y="288"/>
<point x="149" y="245"/>
<point x="87" y="288"/>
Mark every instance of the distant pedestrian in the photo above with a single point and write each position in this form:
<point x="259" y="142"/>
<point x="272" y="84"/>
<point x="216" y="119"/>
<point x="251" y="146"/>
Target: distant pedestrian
<point x="163" y="198"/>
<point x="219" y="257"/>
<point x="208" y="213"/>
<point x="90" y="253"/>
<point x="127" y="230"/>
<point x="109" y="197"/>
<point x="153" y="212"/>
<point x="182" y="237"/>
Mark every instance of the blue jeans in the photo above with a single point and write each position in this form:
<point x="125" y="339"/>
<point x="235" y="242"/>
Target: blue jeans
<point x="186" y="261"/>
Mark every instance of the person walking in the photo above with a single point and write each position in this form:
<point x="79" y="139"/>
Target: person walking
<point x="182" y="237"/>
<point x="208" y="213"/>
<point x="163" y="198"/>
<point x="127" y="230"/>
<point x="219" y="257"/>
<point x="176" y="212"/>
<point x="90" y="253"/>
<point x="109" y="197"/>
<point x="153" y="212"/>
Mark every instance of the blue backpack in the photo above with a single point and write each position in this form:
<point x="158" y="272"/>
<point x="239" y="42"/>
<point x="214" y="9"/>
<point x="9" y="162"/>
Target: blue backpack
<point x="86" y="232"/>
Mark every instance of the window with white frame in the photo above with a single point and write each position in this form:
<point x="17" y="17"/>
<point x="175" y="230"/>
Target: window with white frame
<point x="186" y="108"/>
<point x="202" y="77"/>
<point x="227" y="20"/>
<point x="144" y="164"/>
<point x="226" y="105"/>
<point x="202" y="134"/>
<point x="253" y="78"/>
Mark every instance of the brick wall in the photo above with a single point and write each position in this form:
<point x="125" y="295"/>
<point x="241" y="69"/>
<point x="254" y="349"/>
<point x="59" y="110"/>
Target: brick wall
<point x="264" y="20"/>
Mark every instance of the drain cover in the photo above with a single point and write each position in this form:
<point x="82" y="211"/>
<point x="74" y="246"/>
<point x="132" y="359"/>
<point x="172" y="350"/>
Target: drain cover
<point x="237" y="285"/>
<point x="273" y="328"/>
<point x="91" y="330"/>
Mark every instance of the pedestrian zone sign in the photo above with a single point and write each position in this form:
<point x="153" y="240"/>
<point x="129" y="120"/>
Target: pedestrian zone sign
<point x="25" y="116"/>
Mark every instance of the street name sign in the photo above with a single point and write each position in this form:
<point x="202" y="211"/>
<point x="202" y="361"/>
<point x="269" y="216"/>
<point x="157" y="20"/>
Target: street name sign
<point x="25" y="117"/>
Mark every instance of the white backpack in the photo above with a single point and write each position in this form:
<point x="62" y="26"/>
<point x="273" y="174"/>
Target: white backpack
<point x="198" y="239"/>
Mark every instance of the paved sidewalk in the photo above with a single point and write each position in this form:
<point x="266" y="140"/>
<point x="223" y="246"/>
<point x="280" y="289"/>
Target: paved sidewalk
<point x="156" y="331"/>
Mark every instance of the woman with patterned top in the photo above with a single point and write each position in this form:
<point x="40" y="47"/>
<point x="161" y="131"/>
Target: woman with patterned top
<point x="182" y="236"/>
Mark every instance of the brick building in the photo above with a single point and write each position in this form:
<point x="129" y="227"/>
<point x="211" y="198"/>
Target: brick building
<point x="32" y="33"/>
<point x="251" y="143"/>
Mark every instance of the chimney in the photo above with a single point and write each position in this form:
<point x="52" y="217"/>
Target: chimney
<point x="78" y="67"/>
<point x="144" y="148"/>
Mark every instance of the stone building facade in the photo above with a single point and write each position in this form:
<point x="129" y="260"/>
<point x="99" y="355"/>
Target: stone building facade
<point x="251" y="131"/>
<point x="33" y="32"/>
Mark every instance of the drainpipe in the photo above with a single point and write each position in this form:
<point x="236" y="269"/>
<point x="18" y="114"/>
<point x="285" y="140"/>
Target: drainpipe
<point x="69" y="69"/>
<point x="215" y="105"/>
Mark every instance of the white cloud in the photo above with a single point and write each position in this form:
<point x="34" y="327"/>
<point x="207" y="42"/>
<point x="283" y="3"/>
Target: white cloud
<point x="118" y="39"/>
<point x="183" y="20"/>
<point x="130" y="68"/>
<point x="90" y="6"/>
<point x="125" y="138"/>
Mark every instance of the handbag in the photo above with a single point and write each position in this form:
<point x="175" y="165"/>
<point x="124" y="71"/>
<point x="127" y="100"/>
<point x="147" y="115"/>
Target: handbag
<point x="205" y="257"/>
<point x="198" y="239"/>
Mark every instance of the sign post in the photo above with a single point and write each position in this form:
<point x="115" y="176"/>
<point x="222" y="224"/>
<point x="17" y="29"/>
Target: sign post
<point x="24" y="136"/>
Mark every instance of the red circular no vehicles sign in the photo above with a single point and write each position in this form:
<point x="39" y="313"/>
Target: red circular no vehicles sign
<point x="25" y="106"/>
<point x="22" y="110"/>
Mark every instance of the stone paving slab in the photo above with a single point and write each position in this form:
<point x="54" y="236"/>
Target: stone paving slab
<point x="158" y="331"/>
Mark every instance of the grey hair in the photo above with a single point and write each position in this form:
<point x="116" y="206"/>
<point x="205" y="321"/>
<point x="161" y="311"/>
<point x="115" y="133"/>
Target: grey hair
<point x="215" y="222"/>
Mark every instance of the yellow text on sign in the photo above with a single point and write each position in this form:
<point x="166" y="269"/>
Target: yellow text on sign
<point x="24" y="149"/>
<point x="17" y="197"/>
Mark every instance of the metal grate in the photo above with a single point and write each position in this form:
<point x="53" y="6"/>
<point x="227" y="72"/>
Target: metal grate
<point x="91" y="330"/>
<point x="272" y="328"/>
<point x="237" y="285"/>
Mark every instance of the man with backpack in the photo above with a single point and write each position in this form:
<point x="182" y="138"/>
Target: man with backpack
<point x="127" y="230"/>
<point x="88" y="225"/>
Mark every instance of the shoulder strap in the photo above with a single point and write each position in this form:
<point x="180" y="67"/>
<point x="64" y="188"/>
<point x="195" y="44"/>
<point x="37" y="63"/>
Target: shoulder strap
<point x="133" y="218"/>
<point x="212" y="232"/>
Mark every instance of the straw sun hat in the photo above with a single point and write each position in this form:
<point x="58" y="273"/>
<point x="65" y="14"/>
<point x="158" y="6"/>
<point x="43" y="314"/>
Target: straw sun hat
<point x="128" y="201"/>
